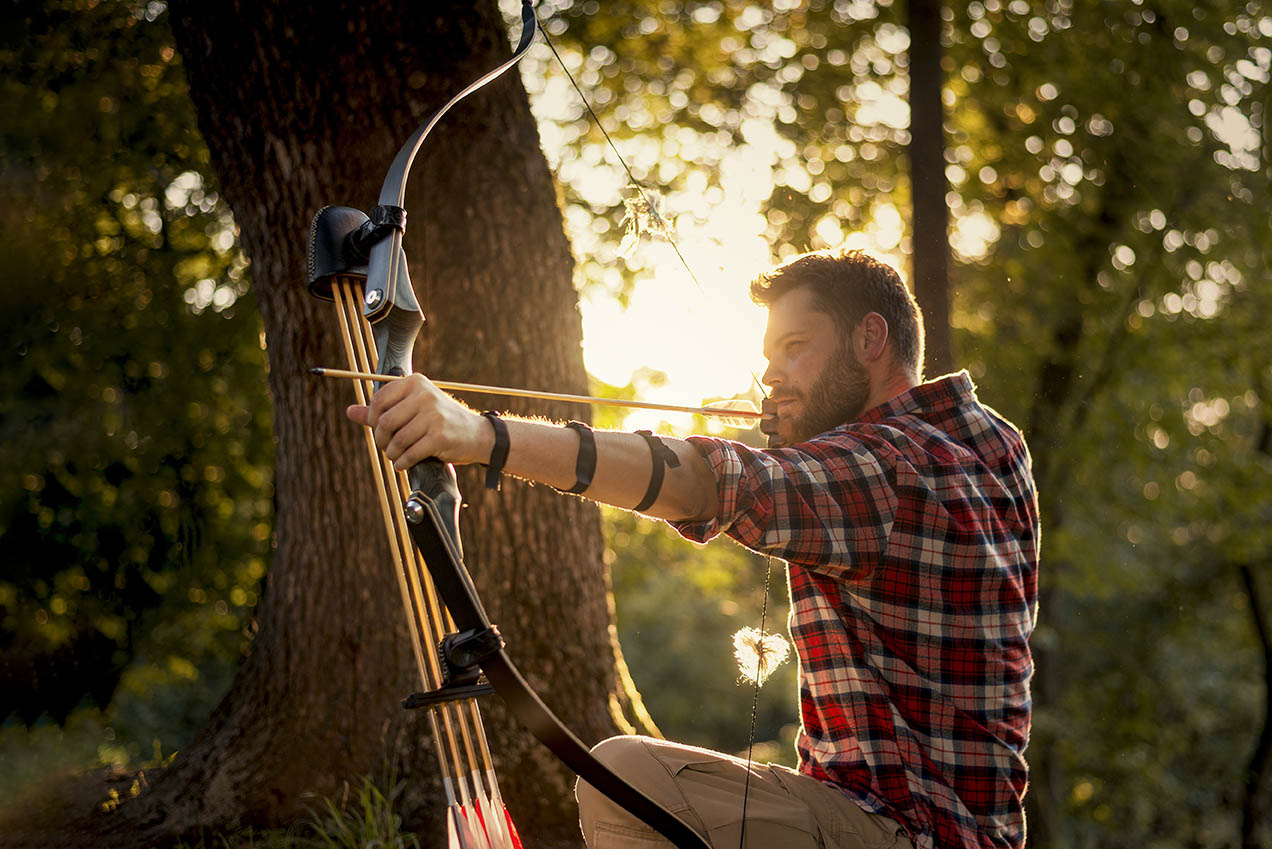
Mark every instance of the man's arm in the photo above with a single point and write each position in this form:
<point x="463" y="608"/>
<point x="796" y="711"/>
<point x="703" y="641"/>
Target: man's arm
<point x="414" y="420"/>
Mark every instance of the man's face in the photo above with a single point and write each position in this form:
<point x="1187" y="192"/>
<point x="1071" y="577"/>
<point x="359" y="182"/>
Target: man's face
<point x="816" y="381"/>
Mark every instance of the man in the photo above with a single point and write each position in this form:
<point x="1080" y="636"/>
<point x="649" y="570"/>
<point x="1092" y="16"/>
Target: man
<point x="907" y="515"/>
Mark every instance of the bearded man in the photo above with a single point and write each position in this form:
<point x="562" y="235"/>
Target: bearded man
<point x="907" y="516"/>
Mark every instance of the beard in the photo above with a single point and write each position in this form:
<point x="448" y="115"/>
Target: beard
<point x="838" y="396"/>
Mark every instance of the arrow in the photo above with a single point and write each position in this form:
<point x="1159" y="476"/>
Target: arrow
<point x="738" y="413"/>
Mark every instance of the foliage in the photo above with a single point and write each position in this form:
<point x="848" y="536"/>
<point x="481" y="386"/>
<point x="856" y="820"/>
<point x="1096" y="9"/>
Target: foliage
<point x="677" y="606"/>
<point x="136" y="421"/>
<point x="370" y="822"/>
<point x="1108" y="169"/>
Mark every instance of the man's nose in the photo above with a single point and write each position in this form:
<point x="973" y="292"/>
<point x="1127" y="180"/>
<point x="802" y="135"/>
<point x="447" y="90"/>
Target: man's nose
<point x="771" y="377"/>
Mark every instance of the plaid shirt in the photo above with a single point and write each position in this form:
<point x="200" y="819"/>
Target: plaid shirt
<point x="911" y="537"/>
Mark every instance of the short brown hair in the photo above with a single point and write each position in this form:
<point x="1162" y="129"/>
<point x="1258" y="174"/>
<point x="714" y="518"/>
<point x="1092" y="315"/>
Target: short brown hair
<point x="847" y="285"/>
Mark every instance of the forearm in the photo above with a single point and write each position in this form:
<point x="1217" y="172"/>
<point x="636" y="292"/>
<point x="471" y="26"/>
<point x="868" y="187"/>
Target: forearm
<point x="412" y="419"/>
<point x="547" y="453"/>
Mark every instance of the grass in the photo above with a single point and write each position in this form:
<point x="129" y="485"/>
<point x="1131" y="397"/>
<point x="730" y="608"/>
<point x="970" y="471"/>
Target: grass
<point x="45" y="767"/>
<point x="39" y="786"/>
<point x="365" y="822"/>
<point x="370" y="823"/>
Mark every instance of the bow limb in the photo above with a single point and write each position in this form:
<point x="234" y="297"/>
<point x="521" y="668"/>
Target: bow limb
<point x="432" y="513"/>
<point x="387" y="263"/>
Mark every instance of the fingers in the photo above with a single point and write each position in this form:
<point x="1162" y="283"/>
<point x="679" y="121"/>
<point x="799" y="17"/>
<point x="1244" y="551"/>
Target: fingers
<point x="389" y="418"/>
<point x="769" y="424"/>
<point x="406" y="453"/>
<point x="412" y="420"/>
<point x="408" y="443"/>
<point x="402" y="415"/>
<point x="389" y="395"/>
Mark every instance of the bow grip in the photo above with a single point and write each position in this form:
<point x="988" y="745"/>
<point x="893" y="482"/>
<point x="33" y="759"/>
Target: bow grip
<point x="435" y="502"/>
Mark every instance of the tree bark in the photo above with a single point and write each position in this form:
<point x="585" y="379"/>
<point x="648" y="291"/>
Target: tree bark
<point x="302" y="107"/>
<point x="1253" y="804"/>
<point x="930" y="216"/>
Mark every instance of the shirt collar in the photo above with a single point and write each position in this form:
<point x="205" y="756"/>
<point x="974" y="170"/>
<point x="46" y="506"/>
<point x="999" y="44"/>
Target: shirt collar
<point x="953" y="390"/>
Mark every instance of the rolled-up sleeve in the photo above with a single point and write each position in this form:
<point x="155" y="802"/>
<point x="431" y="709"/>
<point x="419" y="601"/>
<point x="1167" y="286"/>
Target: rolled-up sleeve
<point x="827" y="504"/>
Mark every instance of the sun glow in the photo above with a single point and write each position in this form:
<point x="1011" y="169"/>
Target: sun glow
<point x="706" y="343"/>
<point x="703" y="336"/>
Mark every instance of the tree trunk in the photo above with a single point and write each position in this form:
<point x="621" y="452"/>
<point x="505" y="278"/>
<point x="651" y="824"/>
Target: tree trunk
<point x="1254" y="804"/>
<point x="930" y="222"/>
<point x="302" y="107"/>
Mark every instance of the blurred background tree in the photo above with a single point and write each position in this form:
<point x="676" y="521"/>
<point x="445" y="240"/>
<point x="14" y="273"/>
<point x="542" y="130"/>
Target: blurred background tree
<point x="138" y="520"/>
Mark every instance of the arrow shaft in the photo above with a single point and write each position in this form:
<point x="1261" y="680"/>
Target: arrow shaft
<point x="452" y="386"/>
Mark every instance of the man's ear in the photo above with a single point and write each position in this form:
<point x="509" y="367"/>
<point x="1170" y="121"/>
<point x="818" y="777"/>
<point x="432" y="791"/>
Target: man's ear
<point x="870" y="339"/>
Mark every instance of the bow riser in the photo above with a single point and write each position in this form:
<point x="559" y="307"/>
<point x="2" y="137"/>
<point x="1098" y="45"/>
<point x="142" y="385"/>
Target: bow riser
<point x="338" y="250"/>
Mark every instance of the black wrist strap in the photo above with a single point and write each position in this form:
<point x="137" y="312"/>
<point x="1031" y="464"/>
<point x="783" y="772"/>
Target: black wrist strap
<point x="585" y="465"/>
<point x="661" y="457"/>
<point x="498" y="454"/>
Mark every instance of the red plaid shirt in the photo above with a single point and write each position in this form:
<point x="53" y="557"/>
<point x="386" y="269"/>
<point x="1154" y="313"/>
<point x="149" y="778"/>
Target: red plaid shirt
<point x="911" y="537"/>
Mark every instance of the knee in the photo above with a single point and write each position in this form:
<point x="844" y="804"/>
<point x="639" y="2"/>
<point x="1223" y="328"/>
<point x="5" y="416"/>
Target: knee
<point x="624" y="756"/>
<point x="621" y="753"/>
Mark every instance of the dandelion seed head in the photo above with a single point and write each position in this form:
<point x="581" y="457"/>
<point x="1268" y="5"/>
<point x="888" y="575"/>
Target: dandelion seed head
<point x="759" y="654"/>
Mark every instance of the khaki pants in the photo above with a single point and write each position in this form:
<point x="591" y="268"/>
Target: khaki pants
<point x="704" y="788"/>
